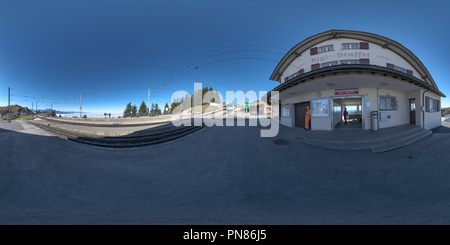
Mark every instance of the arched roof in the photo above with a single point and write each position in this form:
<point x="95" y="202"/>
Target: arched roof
<point x="363" y="36"/>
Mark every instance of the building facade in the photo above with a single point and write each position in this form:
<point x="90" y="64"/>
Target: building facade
<point x="366" y="73"/>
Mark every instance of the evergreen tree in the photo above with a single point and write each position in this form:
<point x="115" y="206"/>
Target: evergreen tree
<point x="143" y="109"/>
<point x="166" y="106"/>
<point x="186" y="98"/>
<point x="134" y="110"/>
<point x="152" y="109"/>
<point x="157" y="110"/>
<point x="127" y="111"/>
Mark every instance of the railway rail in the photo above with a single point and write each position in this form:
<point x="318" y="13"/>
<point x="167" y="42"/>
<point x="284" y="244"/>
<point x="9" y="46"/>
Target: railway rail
<point x="114" y="124"/>
<point x="121" y="141"/>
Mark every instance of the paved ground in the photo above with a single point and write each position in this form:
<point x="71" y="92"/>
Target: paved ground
<point x="220" y="175"/>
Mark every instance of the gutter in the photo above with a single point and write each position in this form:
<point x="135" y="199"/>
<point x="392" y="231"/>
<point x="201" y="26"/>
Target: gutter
<point x="424" y="109"/>
<point x="356" y="67"/>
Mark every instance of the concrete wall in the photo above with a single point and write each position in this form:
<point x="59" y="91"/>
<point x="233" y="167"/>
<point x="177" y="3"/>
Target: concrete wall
<point x="287" y="121"/>
<point x="376" y="54"/>
<point x="369" y="103"/>
<point x="432" y="119"/>
<point x="395" y="117"/>
<point x="317" y="123"/>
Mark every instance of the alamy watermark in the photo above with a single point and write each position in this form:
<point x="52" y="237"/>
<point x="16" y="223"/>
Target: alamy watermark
<point x="214" y="114"/>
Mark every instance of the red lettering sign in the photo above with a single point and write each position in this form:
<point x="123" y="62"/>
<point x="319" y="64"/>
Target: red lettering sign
<point x="346" y="91"/>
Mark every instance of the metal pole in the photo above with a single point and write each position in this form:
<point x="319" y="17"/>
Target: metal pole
<point x="148" y="101"/>
<point x="32" y="105"/>
<point x="245" y="100"/>
<point x="9" y="106"/>
<point x="81" y="96"/>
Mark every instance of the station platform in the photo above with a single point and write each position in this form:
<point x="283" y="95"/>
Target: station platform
<point x="357" y="139"/>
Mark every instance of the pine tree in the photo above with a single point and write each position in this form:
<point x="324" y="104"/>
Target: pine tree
<point x="152" y="109"/>
<point x="157" y="110"/>
<point x="186" y="98"/>
<point x="143" y="109"/>
<point x="127" y="111"/>
<point x="166" y="111"/>
<point x="134" y="110"/>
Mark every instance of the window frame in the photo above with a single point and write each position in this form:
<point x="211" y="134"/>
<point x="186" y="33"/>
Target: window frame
<point x="400" y="69"/>
<point x="393" y="104"/>
<point x="319" y="49"/>
<point x="330" y="62"/>
<point x="433" y="105"/>
<point x="356" y="60"/>
<point x="357" y="46"/>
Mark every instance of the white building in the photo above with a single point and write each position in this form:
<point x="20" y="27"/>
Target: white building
<point x="362" y="71"/>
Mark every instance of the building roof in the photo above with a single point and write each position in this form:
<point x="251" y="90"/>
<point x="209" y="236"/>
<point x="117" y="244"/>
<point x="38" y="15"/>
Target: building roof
<point x="385" y="42"/>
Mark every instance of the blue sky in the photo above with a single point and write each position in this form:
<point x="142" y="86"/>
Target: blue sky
<point x="112" y="52"/>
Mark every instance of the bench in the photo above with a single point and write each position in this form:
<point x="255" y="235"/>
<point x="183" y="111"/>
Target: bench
<point x="354" y="116"/>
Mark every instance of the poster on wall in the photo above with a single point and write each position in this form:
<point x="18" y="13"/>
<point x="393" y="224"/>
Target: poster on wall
<point x="319" y="107"/>
<point x="285" y="111"/>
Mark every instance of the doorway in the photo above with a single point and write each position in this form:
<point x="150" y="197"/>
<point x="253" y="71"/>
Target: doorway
<point x="300" y="111"/>
<point x="412" y="111"/>
<point x="354" y="116"/>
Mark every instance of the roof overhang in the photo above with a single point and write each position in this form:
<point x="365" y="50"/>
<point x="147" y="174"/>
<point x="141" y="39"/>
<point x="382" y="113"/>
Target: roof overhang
<point x="354" y="68"/>
<point x="363" y="36"/>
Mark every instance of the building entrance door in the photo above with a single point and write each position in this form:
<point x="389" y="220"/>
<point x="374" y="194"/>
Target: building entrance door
<point x="412" y="111"/>
<point x="355" y="110"/>
<point x="300" y="111"/>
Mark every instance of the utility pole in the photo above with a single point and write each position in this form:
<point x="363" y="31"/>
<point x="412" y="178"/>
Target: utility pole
<point x="81" y="96"/>
<point x="245" y="101"/>
<point x="9" y="106"/>
<point x="32" y="106"/>
<point x="148" y="101"/>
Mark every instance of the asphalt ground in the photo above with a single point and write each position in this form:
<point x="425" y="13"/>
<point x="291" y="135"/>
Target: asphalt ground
<point x="220" y="175"/>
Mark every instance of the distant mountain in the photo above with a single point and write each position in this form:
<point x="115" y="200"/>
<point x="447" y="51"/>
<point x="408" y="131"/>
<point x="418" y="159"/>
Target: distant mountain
<point x="15" y="109"/>
<point x="68" y="112"/>
<point x="49" y="110"/>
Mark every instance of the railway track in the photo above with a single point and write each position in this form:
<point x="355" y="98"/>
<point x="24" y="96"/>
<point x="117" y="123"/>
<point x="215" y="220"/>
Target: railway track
<point x="122" y="141"/>
<point x="116" y="124"/>
<point x="119" y="124"/>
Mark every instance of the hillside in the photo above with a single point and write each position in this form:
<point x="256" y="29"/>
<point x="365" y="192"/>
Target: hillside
<point x="445" y="111"/>
<point x="14" y="109"/>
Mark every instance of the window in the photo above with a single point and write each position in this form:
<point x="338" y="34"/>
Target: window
<point x="398" y="68"/>
<point x="388" y="102"/>
<point x="350" y="46"/>
<point x="348" y="62"/>
<point x="300" y="72"/>
<point x="337" y="109"/>
<point x="361" y="45"/>
<point x="326" y="64"/>
<point x="353" y="109"/>
<point x="325" y="48"/>
<point x="432" y="105"/>
<point x="343" y="62"/>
